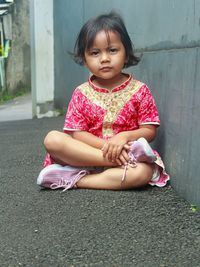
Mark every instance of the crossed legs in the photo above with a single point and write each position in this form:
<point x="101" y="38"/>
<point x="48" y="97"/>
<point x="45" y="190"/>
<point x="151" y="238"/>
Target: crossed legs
<point x="69" y="151"/>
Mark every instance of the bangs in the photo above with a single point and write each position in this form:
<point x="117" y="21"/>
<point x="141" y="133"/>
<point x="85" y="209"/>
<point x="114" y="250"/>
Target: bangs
<point x="91" y="35"/>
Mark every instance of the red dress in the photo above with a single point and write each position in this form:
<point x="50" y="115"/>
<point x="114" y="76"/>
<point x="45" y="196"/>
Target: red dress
<point x="105" y="113"/>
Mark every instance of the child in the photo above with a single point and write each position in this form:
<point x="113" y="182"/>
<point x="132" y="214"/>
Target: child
<point x="110" y="119"/>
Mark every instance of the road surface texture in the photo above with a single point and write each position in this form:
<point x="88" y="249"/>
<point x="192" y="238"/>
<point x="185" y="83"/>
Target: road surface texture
<point x="43" y="228"/>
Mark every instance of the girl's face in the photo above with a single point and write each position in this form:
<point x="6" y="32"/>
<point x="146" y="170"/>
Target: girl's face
<point x="106" y="58"/>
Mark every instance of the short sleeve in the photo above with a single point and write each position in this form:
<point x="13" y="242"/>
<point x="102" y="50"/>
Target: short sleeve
<point x="147" y="113"/>
<point x="75" y="119"/>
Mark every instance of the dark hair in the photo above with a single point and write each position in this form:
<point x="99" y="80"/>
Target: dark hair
<point x="106" y="22"/>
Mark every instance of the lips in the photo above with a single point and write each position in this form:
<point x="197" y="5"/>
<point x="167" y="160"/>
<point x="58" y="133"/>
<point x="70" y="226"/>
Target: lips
<point x="106" y="68"/>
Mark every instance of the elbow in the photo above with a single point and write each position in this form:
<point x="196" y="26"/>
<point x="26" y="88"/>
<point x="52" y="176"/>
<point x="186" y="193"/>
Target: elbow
<point x="152" y="134"/>
<point x="149" y="132"/>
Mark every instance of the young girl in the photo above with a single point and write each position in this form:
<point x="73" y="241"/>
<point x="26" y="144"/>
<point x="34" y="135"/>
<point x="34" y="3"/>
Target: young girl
<point x="110" y="119"/>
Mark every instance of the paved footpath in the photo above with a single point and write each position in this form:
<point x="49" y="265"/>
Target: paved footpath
<point x="19" y="108"/>
<point x="43" y="228"/>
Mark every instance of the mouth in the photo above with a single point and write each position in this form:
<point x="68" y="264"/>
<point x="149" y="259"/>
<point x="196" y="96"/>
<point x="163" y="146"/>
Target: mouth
<point x="105" y="69"/>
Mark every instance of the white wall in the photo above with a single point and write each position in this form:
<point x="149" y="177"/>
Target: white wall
<point x="42" y="57"/>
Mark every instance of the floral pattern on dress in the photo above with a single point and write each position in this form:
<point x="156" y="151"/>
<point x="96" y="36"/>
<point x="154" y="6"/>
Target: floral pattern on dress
<point x="107" y="113"/>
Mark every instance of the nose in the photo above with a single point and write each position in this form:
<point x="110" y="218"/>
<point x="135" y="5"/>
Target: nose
<point x="105" y="57"/>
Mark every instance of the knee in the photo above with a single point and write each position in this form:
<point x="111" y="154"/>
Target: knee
<point x="52" y="141"/>
<point x="141" y="175"/>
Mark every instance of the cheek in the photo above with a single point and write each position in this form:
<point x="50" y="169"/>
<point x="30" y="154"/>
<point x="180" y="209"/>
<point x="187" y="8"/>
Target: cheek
<point x="91" y="64"/>
<point x="121" y="60"/>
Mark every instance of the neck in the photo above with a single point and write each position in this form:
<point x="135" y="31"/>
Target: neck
<point x="110" y="83"/>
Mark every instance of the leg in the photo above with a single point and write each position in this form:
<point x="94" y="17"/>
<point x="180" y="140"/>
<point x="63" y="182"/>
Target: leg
<point x="112" y="178"/>
<point x="69" y="151"/>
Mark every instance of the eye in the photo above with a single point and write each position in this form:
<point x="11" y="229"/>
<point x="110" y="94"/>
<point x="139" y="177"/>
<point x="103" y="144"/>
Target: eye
<point x="113" y="50"/>
<point x="94" y="53"/>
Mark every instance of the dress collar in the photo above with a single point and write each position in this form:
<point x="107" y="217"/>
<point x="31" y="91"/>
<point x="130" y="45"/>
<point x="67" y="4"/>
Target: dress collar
<point x="115" y="89"/>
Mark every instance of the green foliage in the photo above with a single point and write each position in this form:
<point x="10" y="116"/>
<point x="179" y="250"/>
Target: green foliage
<point x="6" y="95"/>
<point x="193" y="208"/>
<point x="60" y="111"/>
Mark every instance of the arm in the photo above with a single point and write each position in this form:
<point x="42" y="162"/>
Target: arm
<point x="116" y="147"/>
<point x="88" y="138"/>
<point x="147" y="131"/>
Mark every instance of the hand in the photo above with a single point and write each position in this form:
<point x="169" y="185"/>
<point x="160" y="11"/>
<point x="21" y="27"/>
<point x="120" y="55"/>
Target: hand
<point x="115" y="149"/>
<point x="123" y="158"/>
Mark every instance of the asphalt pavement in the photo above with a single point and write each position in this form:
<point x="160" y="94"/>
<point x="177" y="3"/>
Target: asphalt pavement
<point x="43" y="228"/>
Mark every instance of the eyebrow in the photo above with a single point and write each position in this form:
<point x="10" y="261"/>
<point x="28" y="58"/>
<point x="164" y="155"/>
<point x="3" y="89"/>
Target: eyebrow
<point x="109" y="45"/>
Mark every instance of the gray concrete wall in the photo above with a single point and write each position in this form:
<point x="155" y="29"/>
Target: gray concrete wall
<point x="167" y="32"/>
<point x="68" y="19"/>
<point x="18" y="68"/>
<point x="173" y="76"/>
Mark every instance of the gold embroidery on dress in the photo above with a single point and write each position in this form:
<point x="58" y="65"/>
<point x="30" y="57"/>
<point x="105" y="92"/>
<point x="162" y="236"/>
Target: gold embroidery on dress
<point x="112" y="102"/>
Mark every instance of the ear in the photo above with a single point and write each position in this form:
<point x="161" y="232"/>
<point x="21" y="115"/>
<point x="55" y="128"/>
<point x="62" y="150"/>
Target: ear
<point x="85" y="63"/>
<point x="126" y="60"/>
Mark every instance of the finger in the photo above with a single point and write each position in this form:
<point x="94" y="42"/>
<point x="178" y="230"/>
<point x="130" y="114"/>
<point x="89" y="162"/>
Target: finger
<point x="130" y="143"/>
<point x="119" y="150"/>
<point x="104" y="145"/>
<point x="114" y="154"/>
<point x="126" y="146"/>
<point x="123" y="160"/>
<point x="125" y="155"/>
<point x="109" y="152"/>
<point x="105" y="149"/>
<point x="119" y="162"/>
